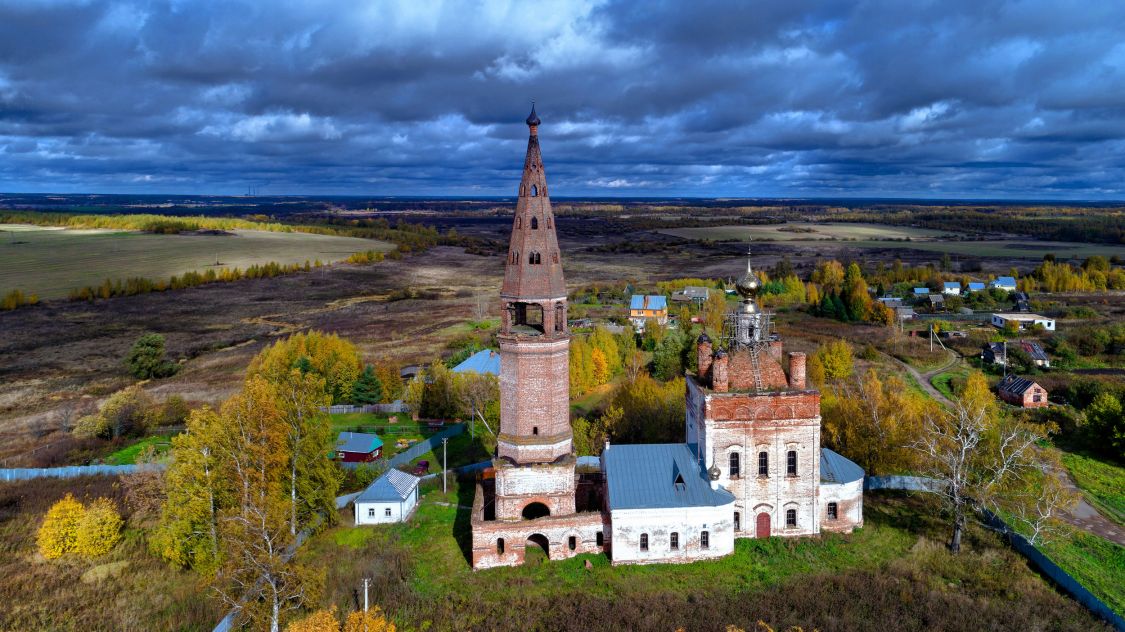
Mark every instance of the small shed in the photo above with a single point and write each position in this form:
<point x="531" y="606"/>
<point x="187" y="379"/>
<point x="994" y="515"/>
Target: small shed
<point x="391" y="498"/>
<point x="358" y="447"/>
<point x="1022" y="392"/>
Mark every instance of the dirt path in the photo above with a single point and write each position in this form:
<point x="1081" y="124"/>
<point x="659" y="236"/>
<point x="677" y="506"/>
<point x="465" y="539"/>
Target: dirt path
<point x="1085" y="517"/>
<point x="924" y="378"/>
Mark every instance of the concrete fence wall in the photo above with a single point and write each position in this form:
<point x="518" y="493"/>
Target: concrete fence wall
<point x="1041" y="562"/>
<point x="73" y="471"/>
<point x="396" y="406"/>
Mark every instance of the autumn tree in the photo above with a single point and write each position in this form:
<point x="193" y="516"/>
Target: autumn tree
<point x="313" y="479"/>
<point x="600" y="366"/>
<point x="651" y="411"/>
<point x="857" y="302"/>
<point x="372" y="620"/>
<point x="329" y="356"/>
<point x="714" y="311"/>
<point x="390" y="377"/>
<point x="128" y="412"/>
<point x="58" y="535"/>
<point x="319" y="621"/>
<point x="979" y="457"/>
<point x="829" y="275"/>
<point x="873" y="421"/>
<point x="836" y="358"/>
<point x="99" y="529"/>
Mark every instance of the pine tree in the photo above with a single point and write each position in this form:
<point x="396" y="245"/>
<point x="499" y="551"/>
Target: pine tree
<point x="367" y="388"/>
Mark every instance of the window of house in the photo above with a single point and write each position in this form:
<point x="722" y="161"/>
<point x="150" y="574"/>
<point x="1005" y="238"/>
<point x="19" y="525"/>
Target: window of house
<point x="704" y="540"/>
<point x="734" y="465"/>
<point x="791" y="518"/>
<point x="832" y="511"/>
<point x="387" y="512"/>
<point x="674" y="541"/>
<point x="644" y="541"/>
<point x="737" y="521"/>
<point x="572" y="542"/>
<point x="500" y="545"/>
<point x="763" y="463"/>
<point x="791" y="464"/>
<point x="370" y="512"/>
<point x="599" y="539"/>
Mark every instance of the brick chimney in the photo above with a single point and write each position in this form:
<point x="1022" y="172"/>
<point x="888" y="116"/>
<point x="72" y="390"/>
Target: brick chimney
<point x="720" y="382"/>
<point x="797" y="371"/>
<point x="775" y="350"/>
<point x="703" y="357"/>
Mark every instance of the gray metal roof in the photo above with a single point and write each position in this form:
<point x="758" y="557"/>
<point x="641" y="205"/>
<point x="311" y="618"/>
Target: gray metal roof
<point x="1015" y="385"/>
<point x="394" y="486"/>
<point x="360" y="442"/>
<point x="834" y="468"/>
<point x="645" y="477"/>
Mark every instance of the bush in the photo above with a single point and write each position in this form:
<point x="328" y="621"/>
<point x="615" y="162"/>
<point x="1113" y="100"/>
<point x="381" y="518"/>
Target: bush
<point x="15" y="299"/>
<point x="99" y="530"/>
<point x="127" y="412"/>
<point x="59" y="534"/>
<point x="146" y="358"/>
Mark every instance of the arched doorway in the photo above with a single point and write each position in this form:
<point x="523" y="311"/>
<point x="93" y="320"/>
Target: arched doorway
<point x="762" y="526"/>
<point x="535" y="510"/>
<point x="537" y="549"/>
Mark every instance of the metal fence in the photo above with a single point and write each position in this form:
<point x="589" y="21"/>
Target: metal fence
<point x="397" y="406"/>
<point x="73" y="471"/>
<point x="426" y="445"/>
<point x="1041" y="562"/>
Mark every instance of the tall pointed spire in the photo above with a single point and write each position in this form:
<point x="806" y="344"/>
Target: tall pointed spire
<point x="534" y="269"/>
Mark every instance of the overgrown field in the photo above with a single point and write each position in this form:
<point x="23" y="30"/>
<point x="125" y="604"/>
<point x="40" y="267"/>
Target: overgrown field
<point x="50" y="262"/>
<point x="902" y="237"/>
<point x="892" y="575"/>
<point x="128" y="589"/>
<point x="1102" y="483"/>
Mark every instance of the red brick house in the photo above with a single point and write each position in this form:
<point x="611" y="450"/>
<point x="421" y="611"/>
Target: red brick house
<point x="1020" y="391"/>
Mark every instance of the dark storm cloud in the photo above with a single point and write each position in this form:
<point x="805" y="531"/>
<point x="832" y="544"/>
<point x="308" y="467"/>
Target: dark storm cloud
<point x="968" y="99"/>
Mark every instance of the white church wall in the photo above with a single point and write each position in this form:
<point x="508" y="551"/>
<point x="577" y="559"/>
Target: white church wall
<point x="659" y="524"/>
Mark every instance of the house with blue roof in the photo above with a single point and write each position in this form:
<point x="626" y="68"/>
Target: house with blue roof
<point x="485" y="361"/>
<point x="951" y="288"/>
<point x="920" y="292"/>
<point x="1004" y="283"/>
<point x="648" y="307"/>
<point x="358" y="447"/>
<point x="391" y="498"/>
<point x="976" y="286"/>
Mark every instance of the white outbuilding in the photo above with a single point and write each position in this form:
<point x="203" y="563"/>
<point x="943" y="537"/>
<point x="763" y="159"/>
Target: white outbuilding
<point x="391" y="498"/>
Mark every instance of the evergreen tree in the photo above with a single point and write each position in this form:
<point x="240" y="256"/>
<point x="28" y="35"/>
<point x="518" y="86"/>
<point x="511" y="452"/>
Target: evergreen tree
<point x="838" y="309"/>
<point x="146" y="358"/>
<point x="367" y="388"/>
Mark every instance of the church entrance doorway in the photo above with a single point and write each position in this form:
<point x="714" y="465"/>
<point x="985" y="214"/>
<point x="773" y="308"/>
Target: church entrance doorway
<point x="762" y="529"/>
<point x="537" y="549"/>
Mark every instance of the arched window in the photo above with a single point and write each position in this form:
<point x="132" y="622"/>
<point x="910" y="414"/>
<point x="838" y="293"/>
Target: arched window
<point x="763" y="463"/>
<point x="534" y="258"/>
<point x="572" y="543"/>
<point x="832" y="509"/>
<point x="519" y="222"/>
<point x="674" y="541"/>
<point x="644" y="541"/>
<point x="548" y="222"/>
<point x="535" y="430"/>
<point x="500" y="545"/>
<point x="737" y="521"/>
<point x="791" y="463"/>
<point x="560" y="317"/>
<point x="535" y="510"/>
<point x="791" y="518"/>
<point x="534" y="190"/>
<point x="705" y="540"/>
<point x="734" y="465"/>
<point x="534" y="223"/>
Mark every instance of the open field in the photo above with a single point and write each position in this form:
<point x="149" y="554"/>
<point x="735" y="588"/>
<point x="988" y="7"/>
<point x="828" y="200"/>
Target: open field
<point x="891" y="575"/>
<point x="1101" y="482"/>
<point x="50" y="262"/>
<point x="895" y="237"/>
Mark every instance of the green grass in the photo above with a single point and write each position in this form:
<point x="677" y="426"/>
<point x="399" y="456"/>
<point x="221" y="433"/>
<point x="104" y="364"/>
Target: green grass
<point x="50" y="262"/>
<point x="893" y="574"/>
<point x="943" y="381"/>
<point x="128" y="454"/>
<point x="1102" y="483"/>
<point x="1096" y="563"/>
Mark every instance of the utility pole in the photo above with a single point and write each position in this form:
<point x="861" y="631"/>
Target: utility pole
<point x="473" y="422"/>
<point x="444" y="465"/>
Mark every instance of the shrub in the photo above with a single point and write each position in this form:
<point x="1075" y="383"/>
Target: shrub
<point x="99" y="530"/>
<point x="15" y="299"/>
<point x="127" y="412"/>
<point x="59" y="533"/>
<point x="146" y="358"/>
<point x="319" y="621"/>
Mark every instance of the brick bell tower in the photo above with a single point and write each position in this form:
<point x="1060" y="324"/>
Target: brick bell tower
<point x="534" y="459"/>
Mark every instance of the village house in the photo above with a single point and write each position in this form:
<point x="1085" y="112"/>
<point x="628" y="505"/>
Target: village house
<point x="1022" y="392"/>
<point x="691" y="294"/>
<point x="997" y="353"/>
<point x="1022" y="321"/>
<point x="751" y="464"/>
<point x="485" y="361"/>
<point x="952" y="288"/>
<point x="358" y="447"/>
<point x="976" y="286"/>
<point x="1006" y="283"/>
<point x="391" y="498"/>
<point x="643" y="308"/>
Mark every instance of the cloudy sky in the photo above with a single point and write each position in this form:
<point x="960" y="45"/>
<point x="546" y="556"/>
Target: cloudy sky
<point x="977" y="99"/>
